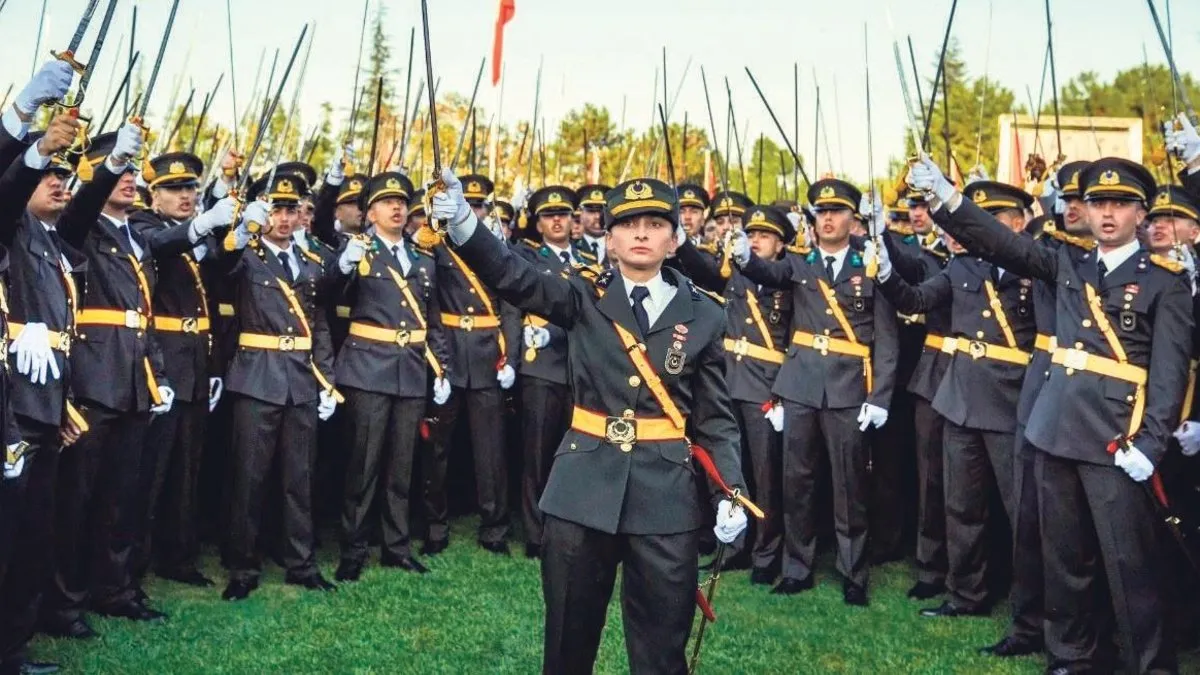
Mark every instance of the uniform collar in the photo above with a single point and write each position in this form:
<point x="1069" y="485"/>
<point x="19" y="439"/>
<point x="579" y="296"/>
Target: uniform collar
<point x="1117" y="257"/>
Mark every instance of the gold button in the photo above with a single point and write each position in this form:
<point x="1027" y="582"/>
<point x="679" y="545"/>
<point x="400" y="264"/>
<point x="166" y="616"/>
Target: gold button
<point x="1070" y="371"/>
<point x="827" y="331"/>
<point x="642" y="346"/>
<point x="627" y="414"/>
<point x="829" y="311"/>
<point x="404" y="303"/>
<point x="472" y="291"/>
<point x="635" y="381"/>
<point x="1078" y="345"/>
<point x="749" y="321"/>
<point x="403" y="324"/>
<point x="1087" y="323"/>
<point x="140" y="333"/>
<point x="987" y="313"/>
<point x="573" y="446"/>
<point x="289" y="329"/>
<point x="1129" y="398"/>
<point x="470" y="310"/>
<point x="1128" y="297"/>
<point x="979" y="334"/>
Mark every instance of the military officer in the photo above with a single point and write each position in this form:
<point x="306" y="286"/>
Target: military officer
<point x="281" y="383"/>
<point x="1104" y="417"/>
<point x="394" y="339"/>
<point x="504" y="214"/>
<point x="622" y="487"/>
<point x="758" y="319"/>
<point x="835" y="383"/>
<point x="693" y="205"/>
<point x="591" y="204"/>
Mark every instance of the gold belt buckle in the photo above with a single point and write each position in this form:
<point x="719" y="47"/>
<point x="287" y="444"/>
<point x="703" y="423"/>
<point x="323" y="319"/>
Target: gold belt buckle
<point x="287" y="343"/>
<point x="978" y="350"/>
<point x="741" y="347"/>
<point x="190" y="325"/>
<point x="466" y="323"/>
<point x="132" y="319"/>
<point x="621" y="431"/>
<point x="1076" y="359"/>
<point x="64" y="343"/>
<point x="1053" y="343"/>
<point x="403" y="337"/>
<point x="821" y="344"/>
<point x="949" y="345"/>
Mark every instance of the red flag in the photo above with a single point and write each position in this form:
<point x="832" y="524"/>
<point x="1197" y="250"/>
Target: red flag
<point x="507" y="9"/>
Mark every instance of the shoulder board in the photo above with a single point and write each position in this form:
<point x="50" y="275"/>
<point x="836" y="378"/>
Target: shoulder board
<point x="314" y="241"/>
<point x="422" y="251"/>
<point x="799" y="250"/>
<point x="312" y="256"/>
<point x="938" y="253"/>
<point x="1078" y="242"/>
<point x="531" y="244"/>
<point x="584" y="255"/>
<point x="902" y="230"/>
<point x="710" y="247"/>
<point x="604" y="279"/>
<point x="697" y="292"/>
<point x="1166" y="263"/>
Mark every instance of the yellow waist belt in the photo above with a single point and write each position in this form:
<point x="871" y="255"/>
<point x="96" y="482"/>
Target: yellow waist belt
<point x="121" y="318"/>
<point x="279" y="343"/>
<point x="225" y="309"/>
<point x="401" y="337"/>
<point x="984" y="350"/>
<point x="470" y="322"/>
<point x="934" y="342"/>
<point x="1045" y="343"/>
<point x="342" y="312"/>
<point x="60" y="341"/>
<point x="1079" y="360"/>
<point x="187" y="324"/>
<point x="743" y="347"/>
<point x="625" y="430"/>
<point x="826" y="344"/>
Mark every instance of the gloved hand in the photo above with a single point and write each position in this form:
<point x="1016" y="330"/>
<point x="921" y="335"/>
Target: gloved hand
<point x="15" y="469"/>
<point x="536" y="337"/>
<point x="1184" y="256"/>
<point x="34" y="356"/>
<point x="216" y="387"/>
<point x="731" y="521"/>
<point x="356" y="250"/>
<point x="1188" y="435"/>
<point x="441" y="390"/>
<point x="49" y="84"/>
<point x="775" y="417"/>
<point x="326" y="404"/>
<point x="167" y="395"/>
<point x="220" y="215"/>
<point x="255" y="213"/>
<point x="128" y="144"/>
<point x="880" y="253"/>
<point x="449" y="205"/>
<point x="925" y="176"/>
<point x="871" y="415"/>
<point x="1184" y="142"/>
<point x="506" y="376"/>
<point x="739" y="248"/>
<point x="1134" y="463"/>
<point x="797" y="222"/>
<point x="337" y="166"/>
<point x="521" y="195"/>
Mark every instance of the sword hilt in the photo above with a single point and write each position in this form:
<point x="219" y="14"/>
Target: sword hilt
<point x="69" y="57"/>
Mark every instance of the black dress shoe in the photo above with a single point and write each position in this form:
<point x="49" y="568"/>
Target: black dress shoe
<point x="239" y="590"/>
<point x="36" y="668"/>
<point x="134" y="611"/>
<point x="790" y="586"/>
<point x="75" y="630"/>
<point x="533" y="551"/>
<point x="762" y="576"/>
<point x="407" y="563"/>
<point x="924" y="591"/>
<point x="348" y="570"/>
<point x="434" y="546"/>
<point x="497" y="547"/>
<point x="191" y="577"/>
<point x="853" y="594"/>
<point x="946" y="609"/>
<point x="313" y="582"/>
<point x="1011" y="646"/>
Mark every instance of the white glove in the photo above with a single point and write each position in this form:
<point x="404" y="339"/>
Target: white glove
<point x="216" y="387"/>
<point x="14" y="470"/>
<point x="871" y="416"/>
<point x="506" y="376"/>
<point x="167" y="395"/>
<point x="441" y="390"/>
<point x="356" y="250"/>
<point x="739" y="247"/>
<point x="1134" y="463"/>
<point x="34" y="356"/>
<point x="1185" y="142"/>
<point x="326" y="405"/>
<point x="128" y="144"/>
<point x="220" y="215"/>
<point x="1183" y="255"/>
<point x="1188" y="435"/>
<point x="520" y="195"/>
<point x="449" y="205"/>
<point x="797" y="222"/>
<point x="49" y="84"/>
<point x="881" y="255"/>
<point x="925" y="176"/>
<point x="255" y="212"/>
<point x="536" y="337"/>
<point x="731" y="521"/>
<point x="775" y="417"/>
<point x="337" y="166"/>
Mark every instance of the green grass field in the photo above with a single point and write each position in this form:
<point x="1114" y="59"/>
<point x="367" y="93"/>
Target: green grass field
<point x="476" y="613"/>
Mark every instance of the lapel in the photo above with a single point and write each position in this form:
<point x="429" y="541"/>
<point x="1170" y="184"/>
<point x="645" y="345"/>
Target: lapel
<point x="1126" y="272"/>
<point x="679" y="310"/>
<point x="273" y="264"/>
<point x="1086" y="268"/>
<point x="616" y="306"/>
<point x="848" y="269"/>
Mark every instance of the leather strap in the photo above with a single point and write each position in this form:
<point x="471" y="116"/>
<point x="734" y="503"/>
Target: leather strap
<point x="637" y="354"/>
<point x="998" y="312"/>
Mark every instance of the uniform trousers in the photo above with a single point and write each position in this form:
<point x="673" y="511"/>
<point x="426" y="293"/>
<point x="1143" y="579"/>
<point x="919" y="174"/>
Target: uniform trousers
<point x="931" y="498"/>
<point x="545" y="417"/>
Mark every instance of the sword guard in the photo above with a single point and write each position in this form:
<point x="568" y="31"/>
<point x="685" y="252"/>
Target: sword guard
<point x="69" y="57"/>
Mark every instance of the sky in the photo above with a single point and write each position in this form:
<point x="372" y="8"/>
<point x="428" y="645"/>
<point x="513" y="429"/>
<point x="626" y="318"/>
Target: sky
<point x="607" y="53"/>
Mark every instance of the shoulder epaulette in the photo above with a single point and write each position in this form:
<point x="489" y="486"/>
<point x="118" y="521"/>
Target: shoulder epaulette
<point x="531" y="244"/>
<point x="710" y="247"/>
<point x="1078" y="242"/>
<point x="584" y="255"/>
<point x="697" y="292"/>
<point x="604" y="279"/>
<point x="799" y="250"/>
<point x="1166" y="263"/>
<point x="422" y="251"/>
<point x="902" y="230"/>
<point x="315" y="257"/>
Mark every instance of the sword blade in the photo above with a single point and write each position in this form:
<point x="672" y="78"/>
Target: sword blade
<point x="262" y="128"/>
<point x="95" y="56"/>
<point x="162" y="50"/>
<point x="433" y="126"/>
<point x="82" y="26"/>
<point x="466" y="120"/>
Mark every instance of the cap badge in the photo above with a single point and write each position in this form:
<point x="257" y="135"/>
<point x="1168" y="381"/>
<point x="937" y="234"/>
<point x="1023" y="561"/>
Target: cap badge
<point x="979" y="197"/>
<point x="355" y="185"/>
<point x="689" y="194"/>
<point x="827" y="192"/>
<point x="726" y="202"/>
<point x="392" y="184"/>
<point x="596" y="194"/>
<point x="638" y="190"/>
<point x="1074" y="180"/>
<point x="758" y="217"/>
<point x="285" y="186"/>
<point x="176" y="168"/>
<point x="1163" y="199"/>
<point x="554" y="198"/>
<point x="474" y="186"/>
<point x="1110" y="177"/>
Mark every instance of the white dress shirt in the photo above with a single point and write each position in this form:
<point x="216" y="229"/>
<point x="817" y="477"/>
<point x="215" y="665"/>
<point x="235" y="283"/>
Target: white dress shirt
<point x="557" y="253"/>
<point x="292" y="252"/>
<point x="397" y="249"/>
<point x="123" y="226"/>
<point x="598" y="242"/>
<point x="839" y="258"/>
<point x="1116" y="257"/>
<point x="660" y="296"/>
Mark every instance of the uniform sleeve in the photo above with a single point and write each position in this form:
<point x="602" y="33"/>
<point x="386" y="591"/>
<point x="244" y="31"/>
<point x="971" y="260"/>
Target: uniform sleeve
<point x="157" y="361"/>
<point x="714" y="427"/>
<point x="17" y="185"/>
<point x="1170" y="351"/>
<point x="981" y="234"/>
<point x="885" y="353"/>
<point x="518" y="282"/>
<point x="774" y="273"/>
<point x="705" y="271"/>
<point x="906" y="263"/>
<point x="83" y="211"/>
<point x="167" y="242"/>
<point x="322" y="342"/>
<point x="439" y="343"/>
<point x="919" y="299"/>
<point x="510" y="324"/>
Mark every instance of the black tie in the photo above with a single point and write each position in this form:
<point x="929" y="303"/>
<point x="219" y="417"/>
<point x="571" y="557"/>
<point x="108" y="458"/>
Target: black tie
<point x="640" y="293"/>
<point x="566" y="257"/>
<point x="396" y="252"/>
<point x="829" y="260"/>
<point x="1103" y="269"/>
<point x="287" y="267"/>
